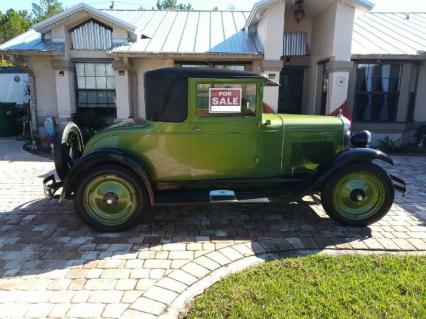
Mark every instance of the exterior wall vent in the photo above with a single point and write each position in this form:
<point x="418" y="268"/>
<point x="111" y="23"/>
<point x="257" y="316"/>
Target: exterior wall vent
<point x="91" y="35"/>
<point x="295" y="44"/>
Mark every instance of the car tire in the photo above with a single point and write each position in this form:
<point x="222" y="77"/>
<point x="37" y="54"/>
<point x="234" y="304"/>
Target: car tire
<point x="358" y="194"/>
<point x="67" y="149"/>
<point x="110" y="198"/>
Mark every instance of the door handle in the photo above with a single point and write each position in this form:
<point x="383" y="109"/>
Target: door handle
<point x="267" y="123"/>
<point x="196" y="129"/>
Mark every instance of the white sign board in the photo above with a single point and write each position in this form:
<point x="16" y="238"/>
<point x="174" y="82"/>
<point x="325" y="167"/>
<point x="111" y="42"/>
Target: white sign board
<point x="224" y="100"/>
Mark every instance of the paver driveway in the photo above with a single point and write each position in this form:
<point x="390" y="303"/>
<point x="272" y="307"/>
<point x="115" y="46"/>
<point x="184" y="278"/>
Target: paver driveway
<point x="51" y="265"/>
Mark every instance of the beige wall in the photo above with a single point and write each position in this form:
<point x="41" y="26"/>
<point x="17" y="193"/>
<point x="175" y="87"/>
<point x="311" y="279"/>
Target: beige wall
<point x="140" y="66"/>
<point x="331" y="39"/>
<point x="420" y="110"/>
<point x="45" y="85"/>
<point x="270" y="30"/>
<point x="342" y="42"/>
<point x="323" y="34"/>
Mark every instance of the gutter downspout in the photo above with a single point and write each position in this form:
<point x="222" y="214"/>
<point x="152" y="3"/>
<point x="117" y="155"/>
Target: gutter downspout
<point x="33" y="99"/>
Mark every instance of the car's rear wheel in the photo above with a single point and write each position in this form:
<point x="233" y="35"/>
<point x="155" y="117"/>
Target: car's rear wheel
<point x="110" y="199"/>
<point x="358" y="194"/>
<point x="67" y="149"/>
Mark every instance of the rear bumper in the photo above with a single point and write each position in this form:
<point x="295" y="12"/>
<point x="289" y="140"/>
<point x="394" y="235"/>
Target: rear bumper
<point x="51" y="186"/>
<point x="399" y="184"/>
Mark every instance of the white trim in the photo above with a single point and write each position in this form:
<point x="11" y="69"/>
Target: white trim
<point x="49" y="22"/>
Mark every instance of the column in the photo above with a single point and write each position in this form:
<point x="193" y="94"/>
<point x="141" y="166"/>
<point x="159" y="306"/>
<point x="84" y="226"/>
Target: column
<point x="338" y="84"/>
<point x="65" y="91"/>
<point x="272" y="69"/>
<point x="122" y="71"/>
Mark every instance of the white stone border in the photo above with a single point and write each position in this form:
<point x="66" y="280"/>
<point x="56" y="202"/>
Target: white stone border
<point x="171" y="295"/>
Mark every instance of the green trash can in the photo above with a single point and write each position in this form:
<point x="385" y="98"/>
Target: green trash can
<point x="7" y="119"/>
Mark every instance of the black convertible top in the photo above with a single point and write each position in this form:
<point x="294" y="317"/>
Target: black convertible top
<point x="166" y="90"/>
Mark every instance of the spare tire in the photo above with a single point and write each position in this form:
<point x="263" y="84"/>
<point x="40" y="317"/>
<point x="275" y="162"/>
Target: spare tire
<point x="68" y="148"/>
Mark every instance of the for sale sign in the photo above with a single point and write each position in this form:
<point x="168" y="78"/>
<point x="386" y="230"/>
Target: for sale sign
<point x="224" y="100"/>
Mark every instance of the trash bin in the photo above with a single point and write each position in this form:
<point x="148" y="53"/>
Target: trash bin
<point x="7" y="119"/>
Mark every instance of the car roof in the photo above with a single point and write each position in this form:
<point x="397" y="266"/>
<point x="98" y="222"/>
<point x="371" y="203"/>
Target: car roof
<point x="166" y="90"/>
<point x="189" y="72"/>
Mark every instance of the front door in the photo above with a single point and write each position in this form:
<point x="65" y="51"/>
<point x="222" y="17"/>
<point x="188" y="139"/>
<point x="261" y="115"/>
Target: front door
<point x="224" y="128"/>
<point x="291" y="90"/>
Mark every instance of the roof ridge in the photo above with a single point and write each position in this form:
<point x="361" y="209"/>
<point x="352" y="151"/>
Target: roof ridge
<point x="174" y="10"/>
<point x="398" y="12"/>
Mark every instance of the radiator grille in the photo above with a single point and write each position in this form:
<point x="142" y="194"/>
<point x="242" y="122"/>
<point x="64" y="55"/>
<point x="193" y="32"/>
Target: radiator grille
<point x="306" y="154"/>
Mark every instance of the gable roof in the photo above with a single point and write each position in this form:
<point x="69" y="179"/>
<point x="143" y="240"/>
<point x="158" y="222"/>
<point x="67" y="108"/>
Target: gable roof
<point x="194" y="32"/>
<point x="378" y="33"/>
<point x="48" y="23"/>
<point x="177" y="32"/>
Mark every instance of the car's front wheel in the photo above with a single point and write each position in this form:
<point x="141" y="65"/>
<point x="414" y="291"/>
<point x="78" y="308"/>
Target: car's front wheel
<point x="358" y="194"/>
<point x="110" y="199"/>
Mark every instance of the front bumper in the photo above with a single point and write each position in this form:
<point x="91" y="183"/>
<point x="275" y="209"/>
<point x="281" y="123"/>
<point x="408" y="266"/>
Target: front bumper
<point x="51" y="186"/>
<point x="399" y="184"/>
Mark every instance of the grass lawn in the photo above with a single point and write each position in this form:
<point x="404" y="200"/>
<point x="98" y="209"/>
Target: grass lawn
<point x="320" y="286"/>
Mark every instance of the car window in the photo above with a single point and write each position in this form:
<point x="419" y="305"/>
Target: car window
<point x="226" y="100"/>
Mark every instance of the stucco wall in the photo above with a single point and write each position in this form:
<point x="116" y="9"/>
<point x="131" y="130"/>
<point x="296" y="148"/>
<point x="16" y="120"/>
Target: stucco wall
<point x="140" y="66"/>
<point x="342" y="41"/>
<point x="420" y="110"/>
<point x="323" y="33"/>
<point x="270" y="30"/>
<point x="45" y="86"/>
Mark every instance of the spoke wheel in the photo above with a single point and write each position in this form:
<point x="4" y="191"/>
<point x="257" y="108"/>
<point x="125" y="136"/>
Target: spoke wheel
<point x="110" y="198"/>
<point x="358" y="194"/>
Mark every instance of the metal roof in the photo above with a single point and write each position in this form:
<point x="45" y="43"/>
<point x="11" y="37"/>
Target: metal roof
<point x="47" y="24"/>
<point x="379" y="33"/>
<point x="31" y="41"/>
<point x="189" y="32"/>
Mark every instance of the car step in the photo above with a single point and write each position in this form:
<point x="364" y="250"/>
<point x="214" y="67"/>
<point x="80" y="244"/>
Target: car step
<point x="168" y="198"/>
<point x="222" y="196"/>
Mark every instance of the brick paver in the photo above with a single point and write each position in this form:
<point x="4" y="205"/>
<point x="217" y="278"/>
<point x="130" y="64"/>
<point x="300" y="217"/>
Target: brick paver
<point x="52" y="265"/>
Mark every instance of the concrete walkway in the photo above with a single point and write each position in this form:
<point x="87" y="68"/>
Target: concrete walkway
<point x="53" y="266"/>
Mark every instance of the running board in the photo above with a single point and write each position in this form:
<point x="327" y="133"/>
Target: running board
<point x="209" y="197"/>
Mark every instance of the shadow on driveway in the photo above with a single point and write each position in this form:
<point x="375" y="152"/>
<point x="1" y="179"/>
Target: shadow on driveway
<point x="44" y="235"/>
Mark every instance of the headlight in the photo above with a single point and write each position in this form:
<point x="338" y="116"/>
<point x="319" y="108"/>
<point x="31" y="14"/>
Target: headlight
<point x="361" y="139"/>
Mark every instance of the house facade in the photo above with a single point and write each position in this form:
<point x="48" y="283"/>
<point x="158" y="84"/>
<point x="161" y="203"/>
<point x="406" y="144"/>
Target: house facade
<point x="90" y="59"/>
<point x="387" y="84"/>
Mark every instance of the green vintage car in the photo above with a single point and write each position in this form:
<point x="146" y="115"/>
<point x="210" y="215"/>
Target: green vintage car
<point x="206" y="140"/>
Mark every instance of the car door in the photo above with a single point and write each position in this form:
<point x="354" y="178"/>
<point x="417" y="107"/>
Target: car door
<point x="224" y="118"/>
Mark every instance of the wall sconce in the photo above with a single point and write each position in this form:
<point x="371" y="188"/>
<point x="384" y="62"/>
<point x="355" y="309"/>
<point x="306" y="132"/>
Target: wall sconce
<point x="61" y="73"/>
<point x="299" y="12"/>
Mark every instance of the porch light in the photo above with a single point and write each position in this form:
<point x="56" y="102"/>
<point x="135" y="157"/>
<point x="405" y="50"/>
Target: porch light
<point x="299" y="12"/>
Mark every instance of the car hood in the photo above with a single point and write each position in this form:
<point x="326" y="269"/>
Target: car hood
<point x="310" y="120"/>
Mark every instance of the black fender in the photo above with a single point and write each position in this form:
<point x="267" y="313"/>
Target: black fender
<point x="100" y="157"/>
<point x="343" y="158"/>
